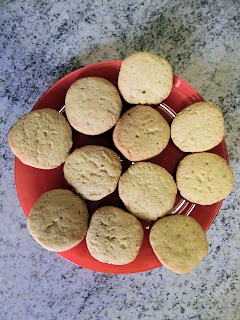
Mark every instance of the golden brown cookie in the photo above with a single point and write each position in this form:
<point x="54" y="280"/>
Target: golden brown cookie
<point x="93" y="105"/>
<point x="93" y="171"/>
<point x="179" y="243"/>
<point x="204" y="178"/>
<point x="141" y="133"/>
<point x="145" y="78"/>
<point x="199" y="127"/>
<point x="58" y="220"/>
<point x="41" y="139"/>
<point x="147" y="190"/>
<point x="114" y="236"/>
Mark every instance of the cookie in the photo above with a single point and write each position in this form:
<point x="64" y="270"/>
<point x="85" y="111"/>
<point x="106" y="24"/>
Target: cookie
<point x="199" y="127"/>
<point x="141" y="133"/>
<point x="145" y="78"/>
<point x="114" y="236"/>
<point x="93" y="171"/>
<point x="93" y="105"/>
<point x="147" y="190"/>
<point x="179" y="243"/>
<point x="41" y="139"/>
<point x="204" y="178"/>
<point x="58" y="220"/>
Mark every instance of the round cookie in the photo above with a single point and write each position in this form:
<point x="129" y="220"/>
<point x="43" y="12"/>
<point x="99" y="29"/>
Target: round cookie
<point x="199" y="127"/>
<point x="141" y="133"/>
<point x="93" y="105"/>
<point x="147" y="190"/>
<point x="179" y="243"/>
<point x="93" y="171"/>
<point x="114" y="236"/>
<point x="41" y="139"/>
<point x="145" y="78"/>
<point x="204" y="178"/>
<point x="58" y="220"/>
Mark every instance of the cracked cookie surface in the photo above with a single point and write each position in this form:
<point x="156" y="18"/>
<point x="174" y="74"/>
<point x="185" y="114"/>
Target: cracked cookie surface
<point x="58" y="220"/>
<point x="93" y="171"/>
<point x="114" y="236"/>
<point x="41" y="139"/>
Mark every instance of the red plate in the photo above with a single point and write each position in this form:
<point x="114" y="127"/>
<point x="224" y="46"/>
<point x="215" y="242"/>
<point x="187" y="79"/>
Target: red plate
<point x="31" y="183"/>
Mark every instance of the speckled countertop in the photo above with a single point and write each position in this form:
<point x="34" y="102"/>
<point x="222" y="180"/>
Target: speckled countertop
<point x="41" y="41"/>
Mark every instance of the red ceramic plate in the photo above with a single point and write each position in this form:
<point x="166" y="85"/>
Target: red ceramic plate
<point x="31" y="183"/>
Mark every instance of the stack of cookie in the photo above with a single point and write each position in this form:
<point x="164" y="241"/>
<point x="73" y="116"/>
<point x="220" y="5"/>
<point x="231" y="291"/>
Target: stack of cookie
<point x="59" y="218"/>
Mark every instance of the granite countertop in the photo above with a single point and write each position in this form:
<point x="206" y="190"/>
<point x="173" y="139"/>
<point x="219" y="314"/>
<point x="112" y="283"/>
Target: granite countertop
<point x="41" y="41"/>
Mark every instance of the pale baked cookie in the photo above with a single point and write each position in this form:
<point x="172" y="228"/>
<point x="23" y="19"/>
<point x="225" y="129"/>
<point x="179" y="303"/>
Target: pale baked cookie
<point x="93" y="105"/>
<point x="141" y="133"/>
<point x="199" y="127"/>
<point x="41" y="139"/>
<point x="179" y="243"/>
<point x="145" y="78"/>
<point x="93" y="171"/>
<point x="58" y="220"/>
<point x="114" y="236"/>
<point x="204" y="178"/>
<point x="147" y="190"/>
